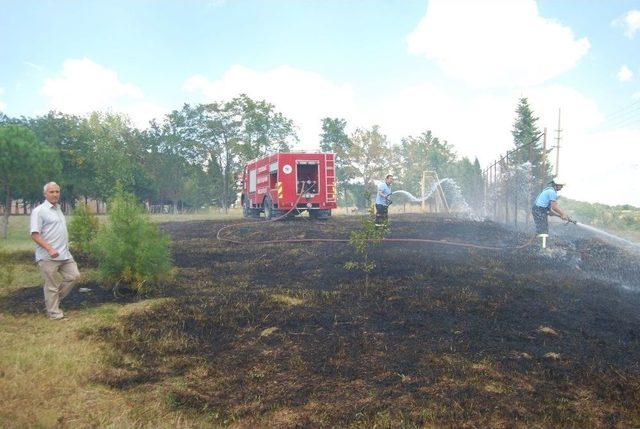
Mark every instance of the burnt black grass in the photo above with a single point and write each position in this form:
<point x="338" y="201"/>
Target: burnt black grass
<point x="284" y="336"/>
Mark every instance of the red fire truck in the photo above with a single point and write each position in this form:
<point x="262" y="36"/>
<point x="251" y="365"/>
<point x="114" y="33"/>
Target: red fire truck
<point x="289" y="183"/>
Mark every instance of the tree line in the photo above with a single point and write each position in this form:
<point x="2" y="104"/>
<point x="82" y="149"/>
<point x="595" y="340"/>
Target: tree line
<point x="367" y="155"/>
<point x="192" y="157"/>
<point x="623" y="218"/>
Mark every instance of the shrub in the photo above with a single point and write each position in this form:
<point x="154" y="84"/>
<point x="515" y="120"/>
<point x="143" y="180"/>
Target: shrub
<point x="83" y="229"/>
<point x="132" y="252"/>
<point x="363" y="239"/>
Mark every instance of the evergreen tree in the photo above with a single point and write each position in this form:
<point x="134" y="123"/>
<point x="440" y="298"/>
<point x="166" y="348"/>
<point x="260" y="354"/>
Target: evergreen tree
<point x="525" y="131"/>
<point x="132" y="251"/>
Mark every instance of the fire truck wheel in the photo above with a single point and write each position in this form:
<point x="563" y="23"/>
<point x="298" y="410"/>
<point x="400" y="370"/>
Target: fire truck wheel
<point x="246" y="208"/>
<point x="268" y="208"/>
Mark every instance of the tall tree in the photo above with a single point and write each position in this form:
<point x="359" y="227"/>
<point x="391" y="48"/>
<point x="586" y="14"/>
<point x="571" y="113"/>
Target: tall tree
<point x="71" y="138"/>
<point x="118" y="153"/>
<point x="263" y="129"/>
<point x="166" y="164"/>
<point x="525" y="129"/>
<point x="414" y="156"/>
<point x="25" y="164"/>
<point x="334" y="139"/>
<point x="525" y="132"/>
<point x="370" y="155"/>
<point x="221" y="136"/>
<point x="213" y="130"/>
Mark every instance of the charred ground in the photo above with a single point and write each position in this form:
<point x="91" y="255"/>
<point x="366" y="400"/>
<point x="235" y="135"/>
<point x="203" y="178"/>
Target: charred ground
<point x="284" y="336"/>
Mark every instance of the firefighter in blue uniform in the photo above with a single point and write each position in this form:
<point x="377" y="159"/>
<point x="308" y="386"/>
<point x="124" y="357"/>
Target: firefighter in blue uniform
<point x="547" y="205"/>
<point x="383" y="200"/>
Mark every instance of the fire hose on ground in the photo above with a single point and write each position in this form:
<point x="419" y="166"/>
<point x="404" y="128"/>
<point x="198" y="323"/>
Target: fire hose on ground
<point x="220" y="237"/>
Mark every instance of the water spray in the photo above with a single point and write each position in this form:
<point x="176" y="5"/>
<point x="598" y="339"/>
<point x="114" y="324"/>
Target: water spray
<point x="453" y="191"/>
<point x="610" y="236"/>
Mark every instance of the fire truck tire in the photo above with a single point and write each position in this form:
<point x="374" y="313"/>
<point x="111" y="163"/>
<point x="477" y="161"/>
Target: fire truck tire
<point x="267" y="205"/>
<point x="246" y="209"/>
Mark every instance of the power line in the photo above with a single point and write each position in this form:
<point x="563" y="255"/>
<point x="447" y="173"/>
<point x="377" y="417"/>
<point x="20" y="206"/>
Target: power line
<point x="624" y="121"/>
<point x="619" y="111"/>
<point x="559" y="130"/>
<point x="631" y="111"/>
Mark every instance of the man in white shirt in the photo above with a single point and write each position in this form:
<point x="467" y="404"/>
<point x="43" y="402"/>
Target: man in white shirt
<point x="383" y="201"/>
<point x="49" y="231"/>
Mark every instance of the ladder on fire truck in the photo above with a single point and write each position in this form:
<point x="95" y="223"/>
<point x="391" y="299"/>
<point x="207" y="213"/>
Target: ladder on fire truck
<point x="329" y="177"/>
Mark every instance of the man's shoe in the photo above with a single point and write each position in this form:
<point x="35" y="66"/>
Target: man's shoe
<point x="56" y="316"/>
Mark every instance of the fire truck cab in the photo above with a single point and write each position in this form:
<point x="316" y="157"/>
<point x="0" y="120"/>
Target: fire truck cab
<point x="289" y="183"/>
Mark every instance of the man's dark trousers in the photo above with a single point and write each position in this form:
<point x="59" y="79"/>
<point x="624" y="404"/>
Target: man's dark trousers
<point x="382" y="213"/>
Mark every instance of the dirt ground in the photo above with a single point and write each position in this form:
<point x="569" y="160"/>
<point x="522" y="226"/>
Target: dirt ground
<point x="282" y="335"/>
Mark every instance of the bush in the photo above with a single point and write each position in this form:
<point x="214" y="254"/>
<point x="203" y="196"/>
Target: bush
<point x="363" y="239"/>
<point x="132" y="252"/>
<point x="83" y="229"/>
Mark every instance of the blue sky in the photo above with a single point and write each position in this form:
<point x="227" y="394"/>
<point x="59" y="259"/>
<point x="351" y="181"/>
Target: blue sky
<point x="452" y="66"/>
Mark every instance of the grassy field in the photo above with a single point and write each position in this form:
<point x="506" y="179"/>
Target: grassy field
<point x="443" y="336"/>
<point x="19" y="239"/>
<point x="47" y="368"/>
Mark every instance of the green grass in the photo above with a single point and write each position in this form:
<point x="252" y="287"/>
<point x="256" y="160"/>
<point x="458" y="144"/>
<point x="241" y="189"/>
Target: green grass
<point x="48" y="368"/>
<point x="20" y="240"/>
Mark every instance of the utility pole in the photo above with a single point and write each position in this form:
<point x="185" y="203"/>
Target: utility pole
<point x="423" y="190"/>
<point x="559" y="130"/>
<point x="543" y="169"/>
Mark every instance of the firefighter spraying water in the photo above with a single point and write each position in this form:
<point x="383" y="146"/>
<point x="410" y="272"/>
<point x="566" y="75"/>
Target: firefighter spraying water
<point x="383" y="201"/>
<point x="546" y="204"/>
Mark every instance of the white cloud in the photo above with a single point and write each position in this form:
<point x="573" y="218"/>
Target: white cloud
<point x="84" y="86"/>
<point x="630" y="22"/>
<point x="495" y="42"/>
<point x="599" y="172"/>
<point x="625" y="74"/>
<point x="579" y="113"/>
<point x="476" y="125"/>
<point x="303" y="96"/>
<point x="2" y="105"/>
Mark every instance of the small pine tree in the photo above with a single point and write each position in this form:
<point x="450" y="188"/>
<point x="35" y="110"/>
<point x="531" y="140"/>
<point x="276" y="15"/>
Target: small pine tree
<point x="132" y="252"/>
<point x="83" y="229"/>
